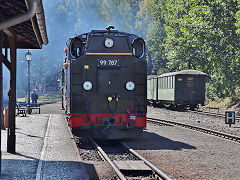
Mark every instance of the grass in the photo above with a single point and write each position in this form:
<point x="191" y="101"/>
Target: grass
<point x="226" y="103"/>
<point x="20" y="99"/>
<point x="45" y="97"/>
<point x="50" y="97"/>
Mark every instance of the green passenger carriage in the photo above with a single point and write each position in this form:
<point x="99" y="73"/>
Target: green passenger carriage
<point x="184" y="88"/>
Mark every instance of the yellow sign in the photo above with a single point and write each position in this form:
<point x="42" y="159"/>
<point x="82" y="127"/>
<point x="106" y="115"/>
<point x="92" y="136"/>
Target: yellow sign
<point x="84" y="36"/>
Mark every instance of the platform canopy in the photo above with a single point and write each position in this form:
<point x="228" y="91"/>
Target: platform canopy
<point x="22" y="26"/>
<point x="30" y="34"/>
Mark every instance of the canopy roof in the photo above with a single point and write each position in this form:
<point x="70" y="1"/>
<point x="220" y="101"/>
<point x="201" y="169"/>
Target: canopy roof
<point x="30" y="34"/>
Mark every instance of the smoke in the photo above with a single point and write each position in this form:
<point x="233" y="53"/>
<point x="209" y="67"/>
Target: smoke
<point x="65" y="19"/>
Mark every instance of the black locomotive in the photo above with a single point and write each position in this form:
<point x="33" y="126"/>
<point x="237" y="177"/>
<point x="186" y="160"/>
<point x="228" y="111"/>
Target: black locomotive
<point x="104" y="84"/>
<point x="184" y="88"/>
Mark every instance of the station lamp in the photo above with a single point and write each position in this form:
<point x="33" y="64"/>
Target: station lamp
<point x="28" y="56"/>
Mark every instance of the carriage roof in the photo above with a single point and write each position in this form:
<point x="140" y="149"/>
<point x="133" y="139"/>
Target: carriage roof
<point x="184" y="72"/>
<point x="151" y="76"/>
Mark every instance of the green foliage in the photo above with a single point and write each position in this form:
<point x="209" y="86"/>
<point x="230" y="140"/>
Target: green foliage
<point x="202" y="35"/>
<point x="179" y="34"/>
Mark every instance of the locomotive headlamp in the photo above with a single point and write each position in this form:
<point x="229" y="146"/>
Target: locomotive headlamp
<point x="130" y="85"/>
<point x="87" y="85"/>
<point x="108" y="43"/>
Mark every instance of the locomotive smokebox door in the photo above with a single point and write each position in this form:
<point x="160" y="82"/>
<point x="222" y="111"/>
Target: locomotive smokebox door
<point x="229" y="117"/>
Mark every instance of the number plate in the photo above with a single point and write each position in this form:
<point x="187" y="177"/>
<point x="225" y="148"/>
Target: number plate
<point x="108" y="62"/>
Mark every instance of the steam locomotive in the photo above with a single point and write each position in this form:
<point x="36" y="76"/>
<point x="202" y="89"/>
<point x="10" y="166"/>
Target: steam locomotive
<point x="104" y="84"/>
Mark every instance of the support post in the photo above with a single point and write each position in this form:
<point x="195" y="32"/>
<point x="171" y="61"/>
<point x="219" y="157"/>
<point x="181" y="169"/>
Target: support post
<point x="11" y="139"/>
<point x="29" y="108"/>
<point x="62" y="89"/>
<point x="1" y="100"/>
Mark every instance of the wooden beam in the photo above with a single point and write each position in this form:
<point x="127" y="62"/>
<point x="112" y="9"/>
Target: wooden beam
<point x="35" y="29"/>
<point x="4" y="58"/>
<point x="11" y="140"/>
<point x="21" y="42"/>
<point x="9" y="32"/>
<point x="5" y="61"/>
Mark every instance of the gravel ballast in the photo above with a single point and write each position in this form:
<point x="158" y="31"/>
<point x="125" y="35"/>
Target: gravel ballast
<point x="207" y="121"/>
<point x="188" y="154"/>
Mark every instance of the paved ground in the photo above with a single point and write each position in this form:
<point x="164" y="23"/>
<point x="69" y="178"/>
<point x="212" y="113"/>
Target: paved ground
<point x="44" y="149"/>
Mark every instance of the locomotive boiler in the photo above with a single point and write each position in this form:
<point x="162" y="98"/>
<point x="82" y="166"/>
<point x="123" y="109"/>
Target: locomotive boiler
<point x="104" y="84"/>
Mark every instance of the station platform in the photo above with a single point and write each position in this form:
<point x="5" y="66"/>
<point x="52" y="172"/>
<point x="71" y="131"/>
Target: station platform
<point x="45" y="149"/>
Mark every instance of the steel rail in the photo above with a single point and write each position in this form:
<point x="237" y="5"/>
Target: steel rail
<point x="154" y="168"/>
<point x="205" y="130"/>
<point x="212" y="114"/>
<point x="120" y="175"/>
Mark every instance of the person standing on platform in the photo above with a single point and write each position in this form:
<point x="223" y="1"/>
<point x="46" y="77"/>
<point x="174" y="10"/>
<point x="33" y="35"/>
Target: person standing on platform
<point x="34" y="96"/>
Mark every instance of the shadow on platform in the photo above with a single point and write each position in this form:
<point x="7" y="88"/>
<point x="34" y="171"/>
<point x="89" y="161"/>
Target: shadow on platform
<point x="152" y="141"/>
<point x="27" y="169"/>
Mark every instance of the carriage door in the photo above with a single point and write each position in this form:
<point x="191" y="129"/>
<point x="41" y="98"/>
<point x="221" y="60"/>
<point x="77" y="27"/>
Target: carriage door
<point x="190" y="88"/>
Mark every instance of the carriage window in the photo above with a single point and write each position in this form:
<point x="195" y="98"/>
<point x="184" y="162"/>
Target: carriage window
<point x="190" y="81"/>
<point x="170" y="82"/>
<point x="165" y="83"/>
<point x="173" y="81"/>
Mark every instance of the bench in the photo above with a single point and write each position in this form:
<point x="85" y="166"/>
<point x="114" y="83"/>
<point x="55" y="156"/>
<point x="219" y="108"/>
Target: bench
<point x="23" y="107"/>
<point x="36" y="108"/>
<point x="21" y="110"/>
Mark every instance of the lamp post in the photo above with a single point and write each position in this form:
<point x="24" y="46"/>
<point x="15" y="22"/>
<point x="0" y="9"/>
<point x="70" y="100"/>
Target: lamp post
<point x="28" y="57"/>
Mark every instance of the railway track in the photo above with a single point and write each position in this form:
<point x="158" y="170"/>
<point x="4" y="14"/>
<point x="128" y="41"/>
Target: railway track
<point x="126" y="162"/>
<point x="217" y="114"/>
<point x="197" y="128"/>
